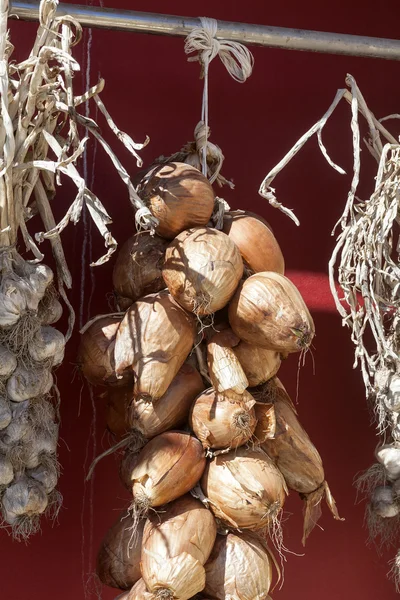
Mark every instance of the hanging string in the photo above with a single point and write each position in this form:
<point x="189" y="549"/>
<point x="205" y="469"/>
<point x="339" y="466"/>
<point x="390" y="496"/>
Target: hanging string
<point x="237" y="60"/>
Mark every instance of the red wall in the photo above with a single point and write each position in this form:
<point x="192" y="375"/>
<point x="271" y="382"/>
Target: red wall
<point x="151" y="89"/>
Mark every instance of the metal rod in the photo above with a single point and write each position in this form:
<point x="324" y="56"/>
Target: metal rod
<point x="257" y="35"/>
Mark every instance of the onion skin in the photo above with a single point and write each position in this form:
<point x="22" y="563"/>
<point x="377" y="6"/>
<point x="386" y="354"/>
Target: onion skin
<point x="268" y="311"/>
<point x="138" y="268"/>
<point x="179" y="196"/>
<point x="256" y="242"/>
<point x="223" y="420"/>
<point x="244" y="487"/>
<point x="118" y="401"/>
<point x="259" y="364"/>
<point x="240" y="568"/>
<point x="176" y="545"/>
<point x="167" y="467"/>
<point x="118" y="560"/>
<point x="202" y="269"/>
<point x="96" y="352"/>
<point x="172" y="409"/>
<point x="138" y="592"/>
<point x="292" y="450"/>
<point x="224" y="367"/>
<point x="154" y="340"/>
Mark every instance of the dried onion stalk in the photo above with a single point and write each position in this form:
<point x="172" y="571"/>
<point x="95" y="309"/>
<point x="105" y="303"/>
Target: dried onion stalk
<point x="176" y="545"/>
<point x="202" y="269"/>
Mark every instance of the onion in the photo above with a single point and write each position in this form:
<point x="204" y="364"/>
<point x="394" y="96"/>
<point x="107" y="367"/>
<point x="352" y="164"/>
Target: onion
<point x="179" y="196"/>
<point x="266" y="422"/>
<point x="296" y="456"/>
<point x="138" y="268"/>
<point x="259" y="364"/>
<point x="138" y="592"/>
<point x="118" y="400"/>
<point x="383" y="503"/>
<point x="268" y="311"/>
<point x="154" y="340"/>
<point x="245" y="489"/>
<point x="225" y="370"/>
<point x="5" y="413"/>
<point x="6" y="471"/>
<point x="202" y="269"/>
<point x="256" y="242"/>
<point x="172" y="409"/>
<point x="223" y="420"/>
<point x="240" y="568"/>
<point x="167" y="467"/>
<point x="47" y="343"/>
<point x="176" y="545"/>
<point x="27" y="383"/>
<point x="24" y="498"/>
<point x="96" y="352"/>
<point x="118" y="560"/>
<point x="8" y="362"/>
<point x="389" y="456"/>
<point x="127" y="464"/>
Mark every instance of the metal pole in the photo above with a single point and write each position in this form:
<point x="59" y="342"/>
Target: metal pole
<point x="257" y="35"/>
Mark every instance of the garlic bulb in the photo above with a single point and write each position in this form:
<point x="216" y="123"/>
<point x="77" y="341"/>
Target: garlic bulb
<point x="23" y="498"/>
<point x="8" y="362"/>
<point x="47" y="343"/>
<point x="6" y="471"/>
<point x="27" y="383"/>
<point x="5" y="413"/>
<point x="383" y="503"/>
<point x="389" y="457"/>
<point x="392" y="397"/>
<point x="176" y="545"/>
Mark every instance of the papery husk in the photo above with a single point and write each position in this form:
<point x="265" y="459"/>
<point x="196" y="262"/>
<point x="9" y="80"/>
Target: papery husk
<point x="259" y="364"/>
<point x="202" y="269"/>
<point x="138" y="268"/>
<point x="154" y="340"/>
<point x="256" y="242"/>
<point x="179" y="196"/>
<point x="22" y="504"/>
<point x="240" y="568"/>
<point x="176" y="545"/>
<point x="48" y="343"/>
<point x="6" y="471"/>
<point x="225" y="370"/>
<point x="96" y="351"/>
<point x="118" y="559"/>
<point x="8" y="362"/>
<point x="167" y="467"/>
<point x="46" y="473"/>
<point x="266" y="422"/>
<point x="169" y="411"/>
<point x="138" y="592"/>
<point x="296" y="457"/>
<point x="5" y="413"/>
<point x="244" y="488"/>
<point x="223" y="420"/>
<point x="26" y="383"/>
<point x="268" y="311"/>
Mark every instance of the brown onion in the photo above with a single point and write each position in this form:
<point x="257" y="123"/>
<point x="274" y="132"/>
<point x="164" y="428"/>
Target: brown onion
<point x="240" y="568"/>
<point x="224" y="367"/>
<point x="176" y="545"/>
<point x="118" y="560"/>
<point x="118" y="401"/>
<point x="268" y="311"/>
<point x="138" y="268"/>
<point x="259" y="364"/>
<point x="296" y="457"/>
<point x="179" y="196"/>
<point x="256" y="242"/>
<point x="138" y="592"/>
<point x="223" y="420"/>
<point x="96" y="351"/>
<point x="245" y="488"/>
<point x="266" y="422"/>
<point x="154" y="340"/>
<point x="202" y="269"/>
<point x="172" y="409"/>
<point x="167" y="467"/>
<point x="126" y="466"/>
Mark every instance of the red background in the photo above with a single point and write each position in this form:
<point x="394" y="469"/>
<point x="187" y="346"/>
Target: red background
<point x="151" y="89"/>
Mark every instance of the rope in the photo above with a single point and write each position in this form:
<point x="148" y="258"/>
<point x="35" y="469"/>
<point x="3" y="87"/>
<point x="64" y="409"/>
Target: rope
<point x="237" y="60"/>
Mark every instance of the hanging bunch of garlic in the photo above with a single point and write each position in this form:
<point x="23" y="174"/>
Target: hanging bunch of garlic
<point x="39" y="145"/>
<point x="199" y="408"/>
